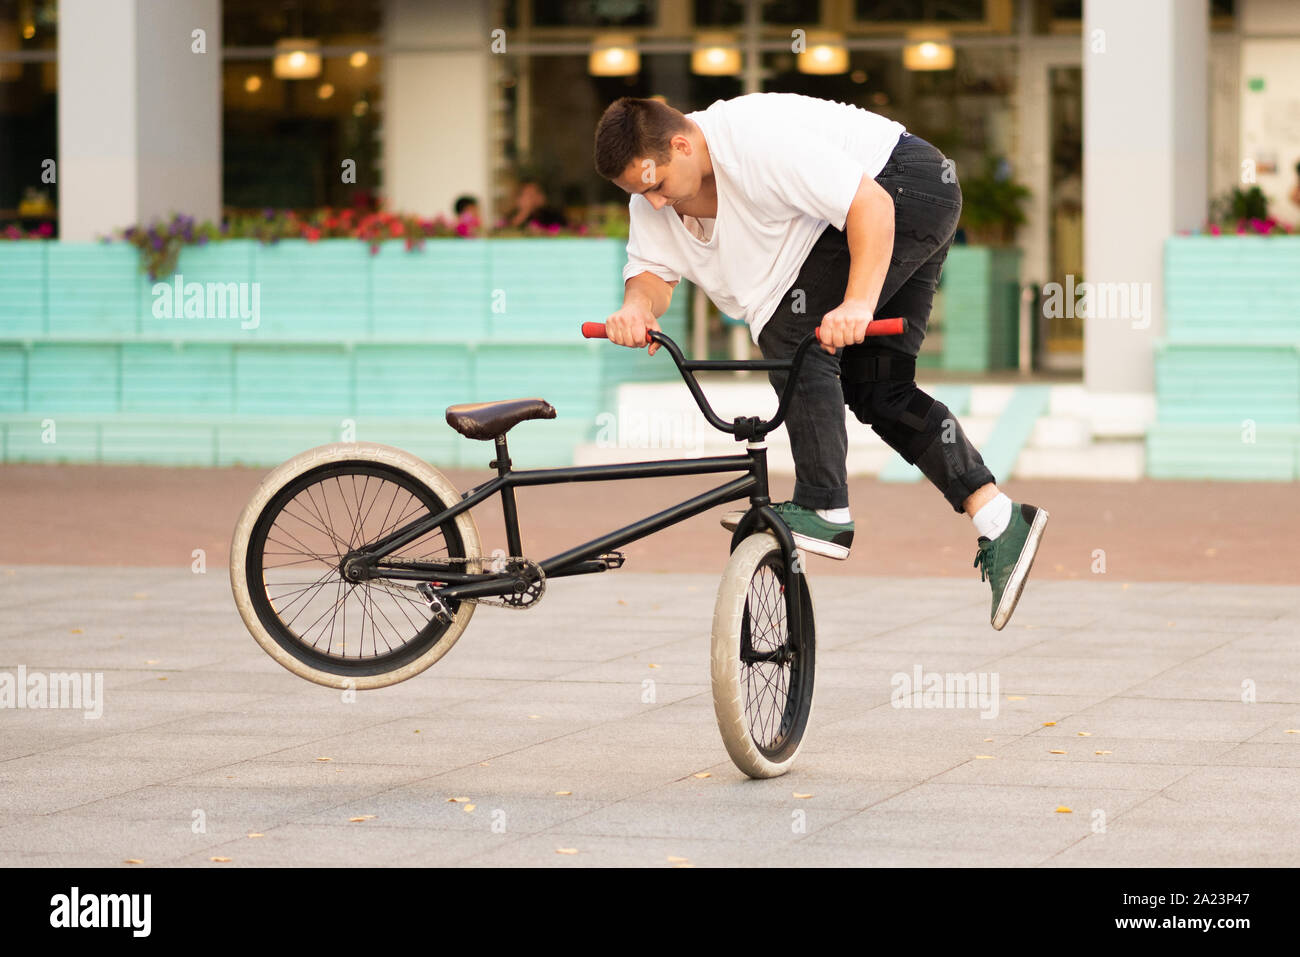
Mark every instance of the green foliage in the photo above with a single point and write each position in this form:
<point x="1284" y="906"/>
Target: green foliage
<point x="991" y="203"/>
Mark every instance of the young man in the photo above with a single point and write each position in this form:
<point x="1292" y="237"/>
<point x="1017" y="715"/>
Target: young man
<point x="795" y="213"/>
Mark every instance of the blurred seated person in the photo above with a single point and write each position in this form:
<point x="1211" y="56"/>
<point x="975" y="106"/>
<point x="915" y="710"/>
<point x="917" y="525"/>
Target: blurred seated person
<point x="531" y="208"/>
<point x="467" y="206"/>
<point x="468" y="219"/>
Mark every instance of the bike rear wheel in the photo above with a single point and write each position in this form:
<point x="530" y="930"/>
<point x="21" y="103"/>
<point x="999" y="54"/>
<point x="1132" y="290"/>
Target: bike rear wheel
<point x="762" y="660"/>
<point x="290" y="542"/>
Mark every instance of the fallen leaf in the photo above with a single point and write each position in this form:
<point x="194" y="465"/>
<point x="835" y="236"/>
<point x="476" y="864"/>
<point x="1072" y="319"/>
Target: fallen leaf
<point x="164" y="678"/>
<point x="622" y="602"/>
<point x="566" y="850"/>
<point x="75" y="631"/>
<point x="1084" y="734"/>
<point x="533" y="717"/>
<point x="983" y="757"/>
<point x="654" y="666"/>
<point x="1063" y="810"/>
<point x="1049" y="724"/>
<point x="1291" y="731"/>
<point x="563" y="793"/>
<point x="677" y="860"/>
<point x="1055" y="751"/>
<point x="798" y="795"/>
<point x="469" y="808"/>
<point x="1103" y="752"/>
<point x="361" y="817"/>
<point x="416" y="731"/>
<point x="701" y="774"/>
<point x="136" y="860"/>
<point x="220" y="860"/>
<point x="987" y="740"/>
<point x="457" y="800"/>
<point x="324" y="759"/>
<point x="687" y="864"/>
<point x="255" y="834"/>
<point x="483" y="764"/>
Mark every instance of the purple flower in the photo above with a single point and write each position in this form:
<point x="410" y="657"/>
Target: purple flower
<point x="157" y="242"/>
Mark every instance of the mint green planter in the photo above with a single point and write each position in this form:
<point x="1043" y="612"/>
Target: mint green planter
<point x="981" y="304"/>
<point x="376" y="343"/>
<point x="438" y="293"/>
<point x="538" y="299"/>
<point x="1228" y="369"/>
<point x="1232" y="289"/>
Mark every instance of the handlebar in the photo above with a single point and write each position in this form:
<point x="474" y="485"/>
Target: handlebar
<point x="744" y="427"/>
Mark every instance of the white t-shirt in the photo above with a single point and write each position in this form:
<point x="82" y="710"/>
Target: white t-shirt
<point x="786" y="165"/>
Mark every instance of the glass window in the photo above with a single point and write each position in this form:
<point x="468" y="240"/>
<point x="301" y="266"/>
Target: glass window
<point x="257" y="23"/>
<point x="284" y="141"/>
<point x="910" y="11"/>
<point x="28" y="111"/>
<point x="567" y="102"/>
<point x="967" y="112"/>
<point x="595" y="13"/>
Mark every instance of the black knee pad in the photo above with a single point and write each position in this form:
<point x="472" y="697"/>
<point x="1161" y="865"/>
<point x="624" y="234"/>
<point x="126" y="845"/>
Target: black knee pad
<point x="907" y="419"/>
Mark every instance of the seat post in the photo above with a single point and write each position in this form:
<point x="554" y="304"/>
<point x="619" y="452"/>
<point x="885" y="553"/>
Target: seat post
<point x="508" y="512"/>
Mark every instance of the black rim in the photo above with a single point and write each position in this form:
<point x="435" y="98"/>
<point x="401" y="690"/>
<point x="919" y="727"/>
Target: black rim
<point x="776" y="664"/>
<point x="299" y="540"/>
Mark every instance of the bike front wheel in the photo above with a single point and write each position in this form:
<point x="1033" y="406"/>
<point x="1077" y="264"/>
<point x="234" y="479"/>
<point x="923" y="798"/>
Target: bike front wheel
<point x="762" y="660"/>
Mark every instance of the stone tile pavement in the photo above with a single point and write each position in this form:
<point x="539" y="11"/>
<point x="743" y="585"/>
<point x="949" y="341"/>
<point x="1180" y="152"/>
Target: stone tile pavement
<point x="1165" y="716"/>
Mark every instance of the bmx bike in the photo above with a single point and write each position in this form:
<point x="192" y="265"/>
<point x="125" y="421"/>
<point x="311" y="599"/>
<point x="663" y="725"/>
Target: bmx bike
<point x="357" y="565"/>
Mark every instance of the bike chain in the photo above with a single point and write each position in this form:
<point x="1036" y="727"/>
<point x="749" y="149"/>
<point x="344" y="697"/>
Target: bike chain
<point x="520" y="566"/>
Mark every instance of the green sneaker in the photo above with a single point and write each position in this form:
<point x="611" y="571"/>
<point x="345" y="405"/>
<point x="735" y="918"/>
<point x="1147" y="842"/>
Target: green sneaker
<point x="1008" y="558"/>
<point x="811" y="532"/>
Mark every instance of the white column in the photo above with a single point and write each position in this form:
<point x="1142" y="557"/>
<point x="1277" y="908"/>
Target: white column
<point x="139" y="113"/>
<point x="1145" y="161"/>
<point x="438" y="104"/>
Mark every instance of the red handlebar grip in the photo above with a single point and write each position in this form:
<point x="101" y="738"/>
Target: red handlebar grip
<point x="877" y="327"/>
<point x="886" y="327"/>
<point x="594" y="330"/>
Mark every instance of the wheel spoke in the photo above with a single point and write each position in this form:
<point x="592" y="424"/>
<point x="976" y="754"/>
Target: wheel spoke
<point x="320" y="519"/>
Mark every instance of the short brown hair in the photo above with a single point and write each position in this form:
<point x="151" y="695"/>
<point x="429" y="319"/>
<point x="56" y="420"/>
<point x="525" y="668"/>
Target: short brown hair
<point x="633" y="128"/>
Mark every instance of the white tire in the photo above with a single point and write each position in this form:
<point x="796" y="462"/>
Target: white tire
<point x="762" y="740"/>
<point x="281" y="647"/>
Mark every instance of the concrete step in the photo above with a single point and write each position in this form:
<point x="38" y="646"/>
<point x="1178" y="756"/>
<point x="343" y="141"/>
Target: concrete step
<point x="1117" y="459"/>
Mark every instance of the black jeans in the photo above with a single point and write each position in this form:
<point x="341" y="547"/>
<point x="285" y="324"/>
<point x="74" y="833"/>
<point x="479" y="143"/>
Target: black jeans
<point x="876" y="379"/>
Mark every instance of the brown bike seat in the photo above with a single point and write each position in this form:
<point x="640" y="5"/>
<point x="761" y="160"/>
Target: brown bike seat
<point x="487" y="420"/>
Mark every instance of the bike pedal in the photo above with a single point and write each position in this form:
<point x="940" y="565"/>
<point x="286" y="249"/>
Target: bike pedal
<point x="435" y="603"/>
<point x="611" y="559"/>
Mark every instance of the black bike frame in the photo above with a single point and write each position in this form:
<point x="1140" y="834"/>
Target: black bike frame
<point x="459" y="583"/>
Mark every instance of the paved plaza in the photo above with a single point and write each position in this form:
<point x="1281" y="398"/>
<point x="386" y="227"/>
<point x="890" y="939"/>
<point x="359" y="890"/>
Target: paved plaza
<point x="1164" y="715"/>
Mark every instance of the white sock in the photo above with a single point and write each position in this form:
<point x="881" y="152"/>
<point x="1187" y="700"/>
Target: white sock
<point x="836" y="516"/>
<point x="993" y="517"/>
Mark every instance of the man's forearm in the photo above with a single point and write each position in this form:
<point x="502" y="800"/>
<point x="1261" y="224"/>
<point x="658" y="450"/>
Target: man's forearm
<point x="649" y="290"/>
<point x="869" y="229"/>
